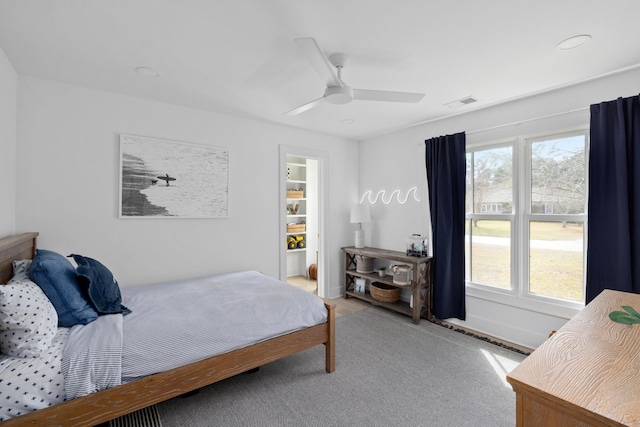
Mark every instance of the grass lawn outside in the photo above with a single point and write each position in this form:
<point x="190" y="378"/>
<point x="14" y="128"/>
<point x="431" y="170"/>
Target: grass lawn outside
<point x="555" y="271"/>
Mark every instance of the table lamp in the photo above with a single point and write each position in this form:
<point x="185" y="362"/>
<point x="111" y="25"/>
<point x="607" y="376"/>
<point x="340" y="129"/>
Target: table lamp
<point x="360" y="214"/>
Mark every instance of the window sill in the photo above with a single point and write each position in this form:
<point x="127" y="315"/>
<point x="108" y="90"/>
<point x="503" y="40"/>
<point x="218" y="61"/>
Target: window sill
<point x="548" y="306"/>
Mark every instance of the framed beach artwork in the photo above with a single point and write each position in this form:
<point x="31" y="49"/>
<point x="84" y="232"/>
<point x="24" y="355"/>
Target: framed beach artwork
<point x="168" y="179"/>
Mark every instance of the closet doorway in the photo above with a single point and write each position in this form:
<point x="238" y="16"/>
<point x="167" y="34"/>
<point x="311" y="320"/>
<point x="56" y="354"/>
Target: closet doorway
<point x="302" y="195"/>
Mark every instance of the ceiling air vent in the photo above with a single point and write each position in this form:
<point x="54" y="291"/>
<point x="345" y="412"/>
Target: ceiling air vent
<point x="460" y="102"/>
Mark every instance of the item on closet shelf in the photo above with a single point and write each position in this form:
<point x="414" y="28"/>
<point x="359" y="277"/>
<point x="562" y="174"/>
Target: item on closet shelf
<point x="401" y="274"/>
<point x="384" y="293"/>
<point x="291" y="243"/>
<point x="296" y="242"/>
<point x="300" y="244"/>
<point x="364" y="264"/>
<point x="416" y="245"/>
<point x="295" y="194"/>
<point x="296" y="227"/>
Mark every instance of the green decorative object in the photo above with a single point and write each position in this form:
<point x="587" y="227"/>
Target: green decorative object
<point x="627" y="317"/>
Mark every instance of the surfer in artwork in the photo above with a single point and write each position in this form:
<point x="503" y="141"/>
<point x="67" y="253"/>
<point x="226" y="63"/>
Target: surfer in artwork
<point x="167" y="178"/>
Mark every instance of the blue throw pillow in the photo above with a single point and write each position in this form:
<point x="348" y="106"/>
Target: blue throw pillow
<point x="101" y="286"/>
<point x="57" y="278"/>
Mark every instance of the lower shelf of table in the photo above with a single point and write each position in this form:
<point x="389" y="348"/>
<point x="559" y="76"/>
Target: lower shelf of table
<point x="400" y="306"/>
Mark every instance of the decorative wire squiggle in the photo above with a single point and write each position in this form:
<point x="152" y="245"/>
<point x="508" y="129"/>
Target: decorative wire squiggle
<point x="381" y="194"/>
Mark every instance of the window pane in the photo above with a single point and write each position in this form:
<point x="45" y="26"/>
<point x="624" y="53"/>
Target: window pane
<point x="558" y="176"/>
<point x="556" y="259"/>
<point x="468" y="197"/>
<point x="488" y="258"/>
<point x="467" y="252"/>
<point x="492" y="179"/>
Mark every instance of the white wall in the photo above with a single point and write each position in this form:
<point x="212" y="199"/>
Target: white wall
<point x="8" y="91"/>
<point x="396" y="161"/>
<point x="68" y="178"/>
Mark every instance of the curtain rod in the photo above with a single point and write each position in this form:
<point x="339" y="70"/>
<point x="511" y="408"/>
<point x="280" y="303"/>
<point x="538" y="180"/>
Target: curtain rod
<point x="528" y="120"/>
<point x="575" y="110"/>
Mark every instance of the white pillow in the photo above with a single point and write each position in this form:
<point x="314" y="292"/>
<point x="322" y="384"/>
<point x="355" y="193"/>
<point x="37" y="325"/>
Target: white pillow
<point x="28" y="320"/>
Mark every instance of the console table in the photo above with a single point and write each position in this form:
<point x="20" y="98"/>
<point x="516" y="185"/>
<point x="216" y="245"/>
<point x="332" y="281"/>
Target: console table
<point x="586" y="374"/>
<point x="421" y="267"/>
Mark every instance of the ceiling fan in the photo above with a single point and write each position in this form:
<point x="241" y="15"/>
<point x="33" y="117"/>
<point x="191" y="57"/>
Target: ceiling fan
<point x="337" y="91"/>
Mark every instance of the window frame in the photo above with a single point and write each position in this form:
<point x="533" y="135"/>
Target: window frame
<point x="518" y="295"/>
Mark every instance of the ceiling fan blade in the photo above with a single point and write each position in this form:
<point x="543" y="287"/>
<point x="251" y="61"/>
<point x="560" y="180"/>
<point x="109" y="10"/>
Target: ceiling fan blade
<point x="383" y="95"/>
<point x="319" y="61"/>
<point x="305" y="107"/>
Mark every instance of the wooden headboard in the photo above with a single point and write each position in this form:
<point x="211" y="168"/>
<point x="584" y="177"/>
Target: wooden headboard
<point x="22" y="246"/>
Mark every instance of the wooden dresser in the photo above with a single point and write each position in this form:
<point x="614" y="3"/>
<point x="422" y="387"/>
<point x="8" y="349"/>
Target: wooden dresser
<point x="586" y="374"/>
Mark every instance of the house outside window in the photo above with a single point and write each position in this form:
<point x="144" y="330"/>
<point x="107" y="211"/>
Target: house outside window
<point x="492" y="207"/>
<point x="526" y="217"/>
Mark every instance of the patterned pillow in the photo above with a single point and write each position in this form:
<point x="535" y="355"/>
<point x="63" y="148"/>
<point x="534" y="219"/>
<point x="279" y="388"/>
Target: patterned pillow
<point x="32" y="383"/>
<point x="21" y="270"/>
<point x="28" y="320"/>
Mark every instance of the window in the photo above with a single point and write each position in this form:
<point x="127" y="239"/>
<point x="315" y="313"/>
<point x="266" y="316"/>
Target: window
<point x="526" y="217"/>
<point x="488" y="231"/>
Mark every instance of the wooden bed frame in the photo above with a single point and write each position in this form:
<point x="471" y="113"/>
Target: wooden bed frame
<point x="111" y="403"/>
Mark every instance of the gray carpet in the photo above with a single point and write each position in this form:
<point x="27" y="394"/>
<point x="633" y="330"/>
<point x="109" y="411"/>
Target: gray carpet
<point x="389" y="372"/>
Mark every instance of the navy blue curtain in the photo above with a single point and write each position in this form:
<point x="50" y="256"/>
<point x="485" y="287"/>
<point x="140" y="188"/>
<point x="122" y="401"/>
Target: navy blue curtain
<point x="613" y="256"/>
<point x="445" y="161"/>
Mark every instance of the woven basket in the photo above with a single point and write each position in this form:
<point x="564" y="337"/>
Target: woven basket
<point x="364" y="264"/>
<point x="384" y="293"/>
<point x="401" y="274"/>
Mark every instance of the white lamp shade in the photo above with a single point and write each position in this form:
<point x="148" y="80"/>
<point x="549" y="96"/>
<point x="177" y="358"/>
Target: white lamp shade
<point x="360" y="213"/>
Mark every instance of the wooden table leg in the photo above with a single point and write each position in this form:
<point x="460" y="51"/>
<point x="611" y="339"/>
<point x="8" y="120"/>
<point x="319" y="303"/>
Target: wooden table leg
<point x="417" y="302"/>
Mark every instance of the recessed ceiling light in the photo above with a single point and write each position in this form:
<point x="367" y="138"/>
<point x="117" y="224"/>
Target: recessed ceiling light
<point x="573" y="42"/>
<point x="147" y="72"/>
<point x="348" y="121"/>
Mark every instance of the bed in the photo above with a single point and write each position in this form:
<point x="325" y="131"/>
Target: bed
<point x="102" y="406"/>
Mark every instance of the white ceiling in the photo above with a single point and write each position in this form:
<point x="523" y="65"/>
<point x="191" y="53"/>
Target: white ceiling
<point x="239" y="56"/>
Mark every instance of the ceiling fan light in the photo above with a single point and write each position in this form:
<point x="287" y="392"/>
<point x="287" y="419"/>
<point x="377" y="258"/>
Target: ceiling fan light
<point x="338" y="95"/>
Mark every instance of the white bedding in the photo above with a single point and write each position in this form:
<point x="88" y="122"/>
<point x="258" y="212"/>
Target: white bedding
<point x="171" y="324"/>
<point x="93" y="356"/>
<point x="184" y="321"/>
